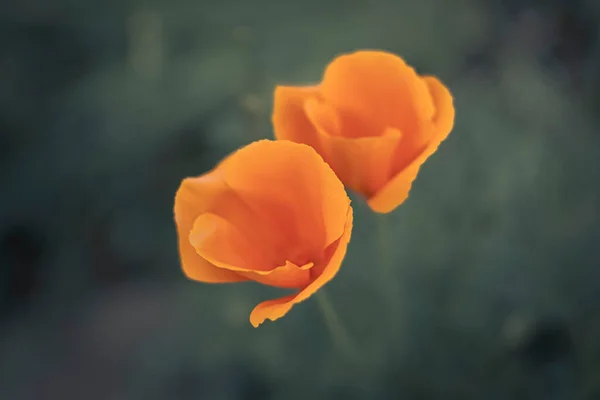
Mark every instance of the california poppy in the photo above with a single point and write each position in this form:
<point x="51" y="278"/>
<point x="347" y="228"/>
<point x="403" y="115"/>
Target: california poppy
<point x="372" y="118"/>
<point x="273" y="212"/>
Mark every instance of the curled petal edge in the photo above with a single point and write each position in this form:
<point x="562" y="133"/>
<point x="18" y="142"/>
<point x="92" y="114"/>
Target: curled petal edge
<point x="277" y="308"/>
<point x="396" y="191"/>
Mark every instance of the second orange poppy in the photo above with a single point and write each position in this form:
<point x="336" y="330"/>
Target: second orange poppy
<point x="372" y="118"/>
<point x="272" y="212"/>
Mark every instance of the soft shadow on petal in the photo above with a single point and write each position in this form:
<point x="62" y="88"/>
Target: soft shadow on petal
<point x="363" y="164"/>
<point x="288" y="118"/>
<point x="443" y="119"/>
<point x="290" y="186"/>
<point x="380" y="87"/>
<point x="193" y="197"/>
<point x="277" y="308"/>
<point x="288" y="276"/>
<point x="221" y="243"/>
<point x="397" y="190"/>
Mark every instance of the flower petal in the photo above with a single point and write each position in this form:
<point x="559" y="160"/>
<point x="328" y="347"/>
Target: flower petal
<point x="220" y="242"/>
<point x="277" y="308"/>
<point x="223" y="245"/>
<point x="289" y="120"/>
<point x="381" y="88"/>
<point x="363" y="164"/>
<point x="193" y="196"/>
<point x="296" y="194"/>
<point x="288" y="276"/>
<point x="396" y="191"/>
<point x="443" y="119"/>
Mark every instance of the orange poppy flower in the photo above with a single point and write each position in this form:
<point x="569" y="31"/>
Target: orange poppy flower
<point x="372" y="118"/>
<point x="273" y="212"/>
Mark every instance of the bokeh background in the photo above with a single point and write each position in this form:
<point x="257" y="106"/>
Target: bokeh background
<point x="106" y="106"/>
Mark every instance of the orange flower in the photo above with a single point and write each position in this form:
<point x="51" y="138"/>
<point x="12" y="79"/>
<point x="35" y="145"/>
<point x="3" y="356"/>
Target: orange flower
<point x="273" y="212"/>
<point x="372" y="118"/>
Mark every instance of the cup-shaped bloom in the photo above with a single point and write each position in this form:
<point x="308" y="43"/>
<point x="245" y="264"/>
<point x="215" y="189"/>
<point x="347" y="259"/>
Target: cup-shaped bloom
<point x="372" y="118"/>
<point x="272" y="212"/>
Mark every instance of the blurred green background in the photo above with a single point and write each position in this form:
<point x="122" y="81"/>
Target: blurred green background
<point x="106" y="106"/>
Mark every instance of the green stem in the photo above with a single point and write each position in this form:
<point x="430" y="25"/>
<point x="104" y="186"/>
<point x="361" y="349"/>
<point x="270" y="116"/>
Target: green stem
<point x="383" y="236"/>
<point x="339" y="334"/>
<point x="388" y="277"/>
